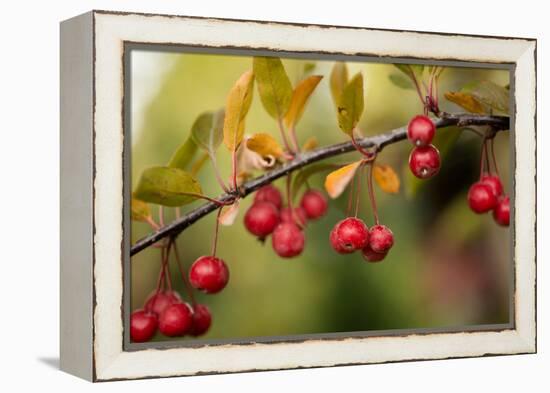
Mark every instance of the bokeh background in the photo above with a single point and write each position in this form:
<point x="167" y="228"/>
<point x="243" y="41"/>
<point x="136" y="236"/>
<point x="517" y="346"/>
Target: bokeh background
<point x="448" y="267"/>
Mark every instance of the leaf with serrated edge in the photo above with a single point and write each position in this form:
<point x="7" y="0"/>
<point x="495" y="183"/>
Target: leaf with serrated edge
<point x="265" y="145"/>
<point x="236" y="108"/>
<point x="207" y="130"/>
<point x="386" y="178"/>
<point x="140" y="210"/>
<point x="351" y="104"/>
<point x="229" y="214"/>
<point x="338" y="80"/>
<point x="301" y="94"/>
<point x="310" y="144"/>
<point x="167" y="186"/>
<point x="183" y="155"/>
<point x="273" y="85"/>
<point x="466" y="101"/>
<point x="337" y="181"/>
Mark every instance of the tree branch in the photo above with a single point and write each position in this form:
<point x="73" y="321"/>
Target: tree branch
<point x="498" y="123"/>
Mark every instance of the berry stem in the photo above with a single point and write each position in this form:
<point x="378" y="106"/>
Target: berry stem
<point x="482" y="160"/>
<point x="216" y="231"/>
<point x="495" y="167"/>
<point x="181" y="269"/>
<point x="350" y="196"/>
<point x="358" y="192"/>
<point x="371" y="195"/>
<point x="487" y="160"/>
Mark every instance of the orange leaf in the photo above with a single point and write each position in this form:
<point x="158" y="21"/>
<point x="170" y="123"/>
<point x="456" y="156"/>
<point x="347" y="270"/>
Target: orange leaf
<point x="310" y="144"/>
<point x="386" y="178"/>
<point x="337" y="181"/>
<point x="466" y="101"/>
<point x="299" y="99"/>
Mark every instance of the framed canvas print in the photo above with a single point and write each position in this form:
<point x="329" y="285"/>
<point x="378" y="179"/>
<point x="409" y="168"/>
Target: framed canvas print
<point x="245" y="195"/>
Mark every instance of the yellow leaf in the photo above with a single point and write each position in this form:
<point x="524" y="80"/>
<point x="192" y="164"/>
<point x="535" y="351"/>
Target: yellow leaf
<point x="386" y="178"/>
<point x="140" y="210"/>
<point x="265" y="145"/>
<point x="351" y="104"/>
<point x="338" y="80"/>
<point x="310" y="144"/>
<point x="466" y="101"/>
<point x="301" y="94"/>
<point x="337" y="181"/>
<point x="237" y="106"/>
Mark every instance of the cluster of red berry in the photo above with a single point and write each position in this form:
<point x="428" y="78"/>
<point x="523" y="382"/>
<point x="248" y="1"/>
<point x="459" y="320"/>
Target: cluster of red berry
<point x="488" y="194"/>
<point x="166" y="311"/>
<point x="352" y="234"/>
<point x="424" y="160"/>
<point x="267" y="216"/>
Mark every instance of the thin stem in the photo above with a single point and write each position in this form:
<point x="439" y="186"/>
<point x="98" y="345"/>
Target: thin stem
<point x="213" y="200"/>
<point x="371" y="196"/>
<point x="487" y="160"/>
<point x="495" y="166"/>
<point x="186" y="284"/>
<point x="482" y="160"/>
<point x="217" y="174"/>
<point x="216" y="230"/>
<point x="234" y="168"/>
<point x="283" y="135"/>
<point x="161" y="216"/>
<point x="368" y="155"/>
<point x="149" y="220"/>
<point x="361" y="170"/>
<point x="418" y="88"/>
<point x="178" y="212"/>
<point x="350" y="196"/>
<point x="294" y="139"/>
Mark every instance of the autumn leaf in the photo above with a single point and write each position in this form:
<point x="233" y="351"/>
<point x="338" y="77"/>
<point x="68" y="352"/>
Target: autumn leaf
<point x="337" y="181"/>
<point x="351" y="104"/>
<point x="386" y="178"/>
<point x="488" y="93"/>
<point x="140" y="210"/>
<point x="301" y="94"/>
<point x="236" y="108"/>
<point x="310" y="144"/>
<point x="265" y="145"/>
<point x="466" y="101"/>
<point x="273" y="85"/>
<point x="338" y="80"/>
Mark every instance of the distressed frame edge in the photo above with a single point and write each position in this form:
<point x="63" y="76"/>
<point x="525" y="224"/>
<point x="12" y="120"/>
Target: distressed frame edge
<point x="525" y="338"/>
<point x="76" y="207"/>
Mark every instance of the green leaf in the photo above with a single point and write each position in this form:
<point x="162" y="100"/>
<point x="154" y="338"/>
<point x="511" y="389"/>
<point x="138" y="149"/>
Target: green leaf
<point x="493" y="96"/>
<point x="401" y="81"/>
<point x="183" y="155"/>
<point x="338" y="80"/>
<point x="238" y="103"/>
<point x="273" y="85"/>
<point x="304" y="174"/>
<point x="308" y="68"/>
<point x="207" y="131"/>
<point x="167" y="187"/>
<point x="351" y="104"/>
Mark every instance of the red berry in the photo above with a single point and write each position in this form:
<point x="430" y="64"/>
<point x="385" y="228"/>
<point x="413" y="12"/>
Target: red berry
<point x="269" y="193"/>
<point x="493" y="182"/>
<point x="501" y="212"/>
<point x="158" y="302"/>
<point x="299" y="217"/>
<point x="314" y="204"/>
<point x="380" y="238"/>
<point x="176" y="320"/>
<point x="201" y="320"/>
<point x="261" y="218"/>
<point x="349" y="235"/>
<point x="481" y="198"/>
<point x="288" y="240"/>
<point x="209" y="274"/>
<point x="143" y="325"/>
<point x="372" y="256"/>
<point x="421" y="130"/>
<point x="424" y="161"/>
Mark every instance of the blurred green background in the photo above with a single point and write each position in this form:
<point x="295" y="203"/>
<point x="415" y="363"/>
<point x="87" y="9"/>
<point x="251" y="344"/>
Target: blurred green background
<point x="448" y="267"/>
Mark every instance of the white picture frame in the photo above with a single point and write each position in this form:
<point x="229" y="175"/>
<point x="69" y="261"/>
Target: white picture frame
<point x="93" y="246"/>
